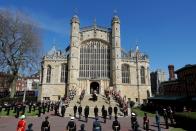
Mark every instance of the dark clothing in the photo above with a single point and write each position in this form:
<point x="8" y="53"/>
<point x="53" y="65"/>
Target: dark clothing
<point x="63" y="111"/>
<point x="71" y="126"/>
<point x="45" y="126"/>
<point x="79" y="110"/>
<point x="110" y="111"/>
<point x="39" y="111"/>
<point x="134" y="123"/>
<point x="96" y="110"/>
<point x="115" y="110"/>
<point x="75" y="110"/>
<point x="105" y="115"/>
<point x="86" y="112"/>
<point x="102" y="110"/>
<point x="96" y="126"/>
<point x="116" y="125"/>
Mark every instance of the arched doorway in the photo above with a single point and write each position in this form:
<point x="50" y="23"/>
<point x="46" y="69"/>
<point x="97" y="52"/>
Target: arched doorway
<point x="94" y="86"/>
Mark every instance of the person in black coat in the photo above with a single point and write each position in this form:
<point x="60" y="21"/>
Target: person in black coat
<point x="48" y="106"/>
<point x="116" y="125"/>
<point x="39" y="110"/>
<point x="44" y="108"/>
<point x="86" y="113"/>
<point x="110" y="112"/>
<point x="71" y="126"/>
<point x="104" y="115"/>
<point x="115" y="110"/>
<point x="75" y="110"/>
<point x="63" y="110"/>
<point x="102" y="110"/>
<point x="45" y="125"/>
<point x="96" y="110"/>
<point x="56" y="109"/>
<point x="30" y="106"/>
<point x="80" y="111"/>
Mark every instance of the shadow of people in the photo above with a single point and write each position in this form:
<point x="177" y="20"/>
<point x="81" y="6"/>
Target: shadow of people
<point x="30" y="127"/>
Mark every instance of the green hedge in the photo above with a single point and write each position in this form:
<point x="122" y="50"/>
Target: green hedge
<point x="10" y="100"/>
<point x="185" y="119"/>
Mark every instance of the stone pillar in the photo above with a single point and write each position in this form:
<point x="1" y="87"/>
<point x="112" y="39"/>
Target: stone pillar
<point x="116" y="53"/>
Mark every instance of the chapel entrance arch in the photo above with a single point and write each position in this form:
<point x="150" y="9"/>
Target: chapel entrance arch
<point x="94" y="87"/>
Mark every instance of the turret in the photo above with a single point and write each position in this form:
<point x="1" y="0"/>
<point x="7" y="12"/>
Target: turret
<point x="75" y="28"/>
<point x="74" y="53"/>
<point x="116" y="53"/>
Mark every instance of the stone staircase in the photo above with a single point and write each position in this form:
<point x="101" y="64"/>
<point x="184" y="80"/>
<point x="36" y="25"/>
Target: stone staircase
<point x="99" y="103"/>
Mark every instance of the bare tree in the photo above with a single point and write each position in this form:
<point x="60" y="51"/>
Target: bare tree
<point x="20" y="45"/>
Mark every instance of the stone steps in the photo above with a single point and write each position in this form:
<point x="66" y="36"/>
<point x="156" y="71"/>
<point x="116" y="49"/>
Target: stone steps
<point x="100" y="102"/>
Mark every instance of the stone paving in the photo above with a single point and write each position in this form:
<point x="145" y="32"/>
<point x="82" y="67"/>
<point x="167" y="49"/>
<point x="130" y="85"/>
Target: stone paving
<point x="59" y="123"/>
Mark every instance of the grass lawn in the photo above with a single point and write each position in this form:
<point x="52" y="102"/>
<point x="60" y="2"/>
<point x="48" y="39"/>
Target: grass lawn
<point x="4" y="113"/>
<point x="140" y="113"/>
<point x="177" y="129"/>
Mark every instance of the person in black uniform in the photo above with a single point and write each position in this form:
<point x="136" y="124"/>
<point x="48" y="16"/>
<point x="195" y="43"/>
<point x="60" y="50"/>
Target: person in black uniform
<point x="63" y="110"/>
<point x="0" y="108"/>
<point x="116" y="125"/>
<point x="8" y="109"/>
<point x="102" y="110"/>
<point x="39" y="110"/>
<point x="75" y="110"/>
<point x="71" y="126"/>
<point x="115" y="110"/>
<point x="48" y="106"/>
<point x="45" y="125"/>
<point x="56" y="109"/>
<point x="80" y="111"/>
<point x="86" y="113"/>
<point x="34" y="106"/>
<point x="96" y="110"/>
<point x="18" y="108"/>
<point x="110" y="112"/>
<point x="44" y="108"/>
<point x="104" y="115"/>
<point x="30" y="106"/>
<point x="52" y="106"/>
<point x="23" y="108"/>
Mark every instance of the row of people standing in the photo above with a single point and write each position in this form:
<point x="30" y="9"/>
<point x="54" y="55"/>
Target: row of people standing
<point x="105" y="112"/>
<point x="71" y="126"/>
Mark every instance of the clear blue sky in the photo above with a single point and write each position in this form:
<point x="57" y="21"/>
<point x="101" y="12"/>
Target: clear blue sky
<point x="166" y="29"/>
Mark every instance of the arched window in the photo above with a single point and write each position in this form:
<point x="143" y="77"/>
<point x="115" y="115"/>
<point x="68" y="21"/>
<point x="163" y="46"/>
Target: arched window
<point x="94" y="59"/>
<point x="64" y="73"/>
<point x="125" y="73"/>
<point x="142" y="74"/>
<point x="48" y="78"/>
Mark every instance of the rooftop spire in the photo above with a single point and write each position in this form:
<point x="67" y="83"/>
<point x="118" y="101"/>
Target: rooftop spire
<point x="137" y="45"/>
<point x="115" y="17"/>
<point x="115" y="12"/>
<point x="75" y="11"/>
<point x="94" y="22"/>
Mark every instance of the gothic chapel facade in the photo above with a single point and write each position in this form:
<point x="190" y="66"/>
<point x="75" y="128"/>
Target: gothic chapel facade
<point x="94" y="60"/>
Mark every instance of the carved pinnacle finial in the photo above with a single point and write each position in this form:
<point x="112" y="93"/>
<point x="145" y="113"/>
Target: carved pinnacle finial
<point x="137" y="45"/>
<point x="94" y="22"/>
<point x="115" y="12"/>
<point x="75" y="11"/>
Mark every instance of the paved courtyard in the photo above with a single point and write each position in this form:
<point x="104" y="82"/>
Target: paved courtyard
<point x="59" y="123"/>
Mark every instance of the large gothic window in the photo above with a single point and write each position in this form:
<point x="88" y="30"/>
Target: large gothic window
<point x="64" y="73"/>
<point x="142" y="74"/>
<point x="125" y="73"/>
<point x="94" y="60"/>
<point x="48" y="77"/>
